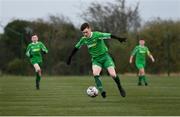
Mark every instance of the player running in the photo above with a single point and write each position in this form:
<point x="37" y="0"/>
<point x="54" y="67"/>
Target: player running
<point x="140" y="52"/>
<point x="99" y="54"/>
<point x="33" y="51"/>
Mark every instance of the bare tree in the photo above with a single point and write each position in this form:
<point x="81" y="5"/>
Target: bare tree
<point x="113" y="17"/>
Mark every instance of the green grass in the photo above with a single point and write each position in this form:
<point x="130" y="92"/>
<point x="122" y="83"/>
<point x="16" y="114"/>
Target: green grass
<point x="66" y="96"/>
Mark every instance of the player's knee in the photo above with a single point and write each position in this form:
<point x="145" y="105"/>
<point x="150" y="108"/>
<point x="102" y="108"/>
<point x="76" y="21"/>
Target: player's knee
<point x="112" y="74"/>
<point x="96" y="70"/>
<point x="142" y="72"/>
<point x="95" y="73"/>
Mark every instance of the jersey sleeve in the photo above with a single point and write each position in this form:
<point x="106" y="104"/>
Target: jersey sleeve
<point x="28" y="51"/>
<point x="43" y="47"/>
<point x="134" y="51"/>
<point x="147" y="51"/>
<point x="104" y="35"/>
<point x="80" y="43"/>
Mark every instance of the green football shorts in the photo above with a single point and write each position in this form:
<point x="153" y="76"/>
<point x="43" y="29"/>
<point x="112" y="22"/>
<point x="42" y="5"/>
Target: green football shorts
<point x="140" y="65"/>
<point x="36" y="60"/>
<point x="103" y="61"/>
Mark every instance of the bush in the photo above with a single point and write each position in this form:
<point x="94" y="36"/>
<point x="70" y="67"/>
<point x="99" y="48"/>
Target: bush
<point x="17" y="67"/>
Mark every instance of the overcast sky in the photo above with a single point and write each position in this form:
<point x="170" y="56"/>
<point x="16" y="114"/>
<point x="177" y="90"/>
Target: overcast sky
<point x="33" y="9"/>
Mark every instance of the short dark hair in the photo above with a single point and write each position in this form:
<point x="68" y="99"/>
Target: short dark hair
<point x="33" y="34"/>
<point x="141" y="39"/>
<point x="84" y="26"/>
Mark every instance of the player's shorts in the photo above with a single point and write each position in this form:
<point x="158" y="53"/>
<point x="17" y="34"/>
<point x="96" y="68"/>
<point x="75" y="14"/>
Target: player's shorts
<point x="140" y="65"/>
<point x="103" y="61"/>
<point x="35" y="60"/>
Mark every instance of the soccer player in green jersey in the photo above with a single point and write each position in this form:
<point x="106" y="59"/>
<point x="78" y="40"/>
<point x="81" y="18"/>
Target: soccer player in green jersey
<point x="99" y="54"/>
<point x="140" y="52"/>
<point x="33" y="51"/>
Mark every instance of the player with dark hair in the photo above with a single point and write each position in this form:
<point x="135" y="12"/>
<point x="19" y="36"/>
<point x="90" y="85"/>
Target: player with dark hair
<point x="99" y="54"/>
<point x="140" y="52"/>
<point x="34" y="51"/>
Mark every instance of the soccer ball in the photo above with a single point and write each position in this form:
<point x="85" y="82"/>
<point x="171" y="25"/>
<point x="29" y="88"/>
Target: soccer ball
<point x="92" y="91"/>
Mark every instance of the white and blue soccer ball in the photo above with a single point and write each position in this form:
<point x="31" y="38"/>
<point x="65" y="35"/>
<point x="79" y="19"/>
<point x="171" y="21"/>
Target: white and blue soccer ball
<point x="92" y="91"/>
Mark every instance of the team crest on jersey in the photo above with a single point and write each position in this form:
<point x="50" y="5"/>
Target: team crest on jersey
<point x="142" y="51"/>
<point x="36" y="50"/>
<point x="92" y="45"/>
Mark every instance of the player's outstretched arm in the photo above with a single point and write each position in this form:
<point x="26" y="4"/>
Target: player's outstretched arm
<point x="44" y="49"/>
<point x="130" y="59"/>
<point x="120" y="39"/>
<point x="28" y="53"/>
<point x="68" y="62"/>
<point x="152" y="58"/>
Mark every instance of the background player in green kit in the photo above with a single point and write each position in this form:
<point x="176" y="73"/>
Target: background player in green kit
<point x="140" y="52"/>
<point x="33" y="51"/>
<point x="99" y="54"/>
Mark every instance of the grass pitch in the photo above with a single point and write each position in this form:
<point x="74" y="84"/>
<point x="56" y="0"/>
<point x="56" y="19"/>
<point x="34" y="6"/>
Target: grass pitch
<point x="66" y="96"/>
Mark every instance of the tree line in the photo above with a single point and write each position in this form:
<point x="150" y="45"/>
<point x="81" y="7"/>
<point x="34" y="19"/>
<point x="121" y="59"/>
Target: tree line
<point x="60" y="35"/>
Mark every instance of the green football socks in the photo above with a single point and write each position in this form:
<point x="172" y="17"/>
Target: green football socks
<point x="98" y="83"/>
<point x="117" y="80"/>
<point x="38" y="78"/>
<point x="142" y="78"/>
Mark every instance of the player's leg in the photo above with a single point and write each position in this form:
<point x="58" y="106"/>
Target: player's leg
<point x="143" y="77"/>
<point x="112" y="73"/>
<point x="96" y="73"/>
<point x="139" y="78"/>
<point x="38" y="75"/>
<point x="110" y="66"/>
<point x="140" y="67"/>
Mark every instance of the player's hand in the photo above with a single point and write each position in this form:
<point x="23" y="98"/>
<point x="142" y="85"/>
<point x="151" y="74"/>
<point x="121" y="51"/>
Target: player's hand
<point x="68" y="62"/>
<point x="130" y="61"/>
<point x="122" y="39"/>
<point x="153" y="60"/>
<point x="44" y="52"/>
<point x="30" y="56"/>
